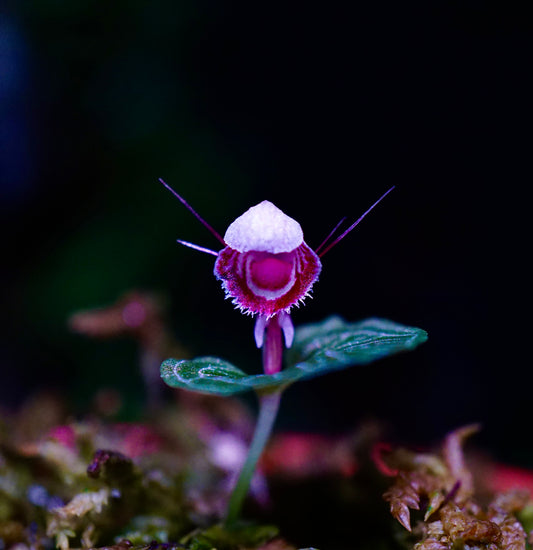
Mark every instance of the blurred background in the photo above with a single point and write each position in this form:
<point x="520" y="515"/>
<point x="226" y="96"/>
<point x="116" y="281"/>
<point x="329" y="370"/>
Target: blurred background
<point x="318" y="109"/>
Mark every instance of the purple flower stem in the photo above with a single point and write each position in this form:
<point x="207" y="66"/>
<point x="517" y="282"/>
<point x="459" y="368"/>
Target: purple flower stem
<point x="272" y="346"/>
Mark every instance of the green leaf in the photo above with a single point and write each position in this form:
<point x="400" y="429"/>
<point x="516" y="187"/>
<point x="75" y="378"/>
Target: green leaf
<point x="318" y="348"/>
<point x="205" y="375"/>
<point x="334" y="344"/>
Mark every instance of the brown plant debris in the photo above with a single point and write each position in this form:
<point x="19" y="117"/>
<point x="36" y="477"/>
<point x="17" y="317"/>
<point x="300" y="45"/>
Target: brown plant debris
<point x="96" y="483"/>
<point x="440" y="488"/>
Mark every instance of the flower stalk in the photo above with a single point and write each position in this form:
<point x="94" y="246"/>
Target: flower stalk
<point x="272" y="343"/>
<point x="268" y="411"/>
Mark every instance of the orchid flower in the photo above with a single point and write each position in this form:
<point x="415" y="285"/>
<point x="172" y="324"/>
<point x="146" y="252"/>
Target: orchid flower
<point x="266" y="268"/>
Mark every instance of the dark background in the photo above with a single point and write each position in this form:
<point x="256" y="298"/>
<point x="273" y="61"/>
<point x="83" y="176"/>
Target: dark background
<point x="318" y="109"/>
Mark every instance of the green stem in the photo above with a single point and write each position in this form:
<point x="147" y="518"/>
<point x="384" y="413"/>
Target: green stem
<point x="268" y="410"/>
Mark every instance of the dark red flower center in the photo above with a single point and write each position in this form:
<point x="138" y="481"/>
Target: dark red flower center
<point x="271" y="273"/>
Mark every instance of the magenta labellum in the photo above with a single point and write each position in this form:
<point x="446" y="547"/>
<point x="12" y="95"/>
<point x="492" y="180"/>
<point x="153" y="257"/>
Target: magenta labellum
<point x="266" y="267"/>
